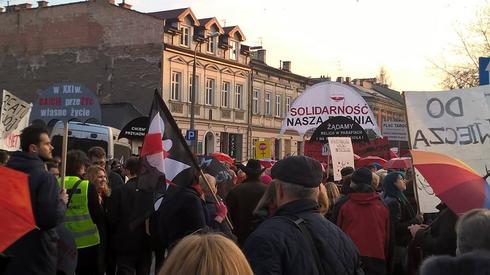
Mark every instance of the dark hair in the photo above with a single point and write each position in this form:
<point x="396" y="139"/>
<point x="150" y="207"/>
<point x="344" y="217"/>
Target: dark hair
<point x="4" y="156"/>
<point x="133" y="165"/>
<point x="51" y="164"/>
<point x="97" y="152"/>
<point x="74" y="161"/>
<point x="31" y="135"/>
<point x="390" y="189"/>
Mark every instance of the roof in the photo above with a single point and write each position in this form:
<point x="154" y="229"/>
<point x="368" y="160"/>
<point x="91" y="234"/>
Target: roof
<point x="177" y="14"/>
<point x="117" y="115"/>
<point x="230" y="31"/>
<point x="258" y="64"/>
<point x="206" y="23"/>
<point x="392" y="94"/>
<point x="362" y="91"/>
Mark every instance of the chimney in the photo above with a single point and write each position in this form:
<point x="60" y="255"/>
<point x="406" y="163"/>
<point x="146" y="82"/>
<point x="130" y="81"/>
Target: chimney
<point x="24" y="6"/>
<point x="259" y="55"/>
<point x="339" y="79"/>
<point x="125" y="5"/>
<point x="286" y="66"/>
<point x="42" y="4"/>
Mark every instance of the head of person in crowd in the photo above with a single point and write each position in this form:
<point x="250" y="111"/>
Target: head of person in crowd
<point x="208" y="188"/>
<point x="117" y="167"/>
<point x="472" y="231"/>
<point x="97" y="176"/>
<point x="298" y="177"/>
<point x="375" y="181"/>
<point x="267" y="203"/>
<point x="53" y="168"/>
<point x="332" y="192"/>
<point x="97" y="156"/>
<point x="361" y="181"/>
<point x="394" y="184"/>
<point x="373" y="167"/>
<point x="253" y="169"/>
<point x="346" y="173"/>
<point x="203" y="254"/>
<point x="4" y="157"/>
<point x="323" y="200"/>
<point x="76" y="163"/>
<point x="132" y="167"/>
<point x="35" y="141"/>
<point x="381" y="174"/>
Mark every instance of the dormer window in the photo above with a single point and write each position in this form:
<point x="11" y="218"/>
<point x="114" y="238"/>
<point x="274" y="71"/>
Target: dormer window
<point x="233" y="50"/>
<point x="211" y="46"/>
<point x="185" y="36"/>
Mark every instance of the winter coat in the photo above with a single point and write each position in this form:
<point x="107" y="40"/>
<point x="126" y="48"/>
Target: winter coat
<point x="401" y="216"/>
<point x="36" y="252"/>
<point x="473" y="263"/>
<point x="241" y="202"/>
<point x="366" y="220"/>
<point x="278" y="245"/>
<point x="222" y="227"/>
<point x="124" y="239"/>
<point x="115" y="180"/>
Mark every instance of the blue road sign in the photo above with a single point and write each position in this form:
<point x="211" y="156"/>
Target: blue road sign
<point x="191" y="135"/>
<point x="484" y="63"/>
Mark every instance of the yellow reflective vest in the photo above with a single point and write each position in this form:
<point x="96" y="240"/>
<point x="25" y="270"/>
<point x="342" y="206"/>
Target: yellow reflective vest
<point x="77" y="216"/>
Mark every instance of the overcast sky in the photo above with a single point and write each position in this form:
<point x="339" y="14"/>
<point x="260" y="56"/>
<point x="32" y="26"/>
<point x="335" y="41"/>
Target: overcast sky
<point x="341" y="37"/>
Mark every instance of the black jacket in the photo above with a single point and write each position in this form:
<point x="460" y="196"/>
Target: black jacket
<point x="279" y="247"/>
<point x="36" y="252"/>
<point x="473" y="263"/>
<point x="125" y="240"/>
<point x="222" y="227"/>
<point x="241" y="202"/>
<point x="401" y="216"/>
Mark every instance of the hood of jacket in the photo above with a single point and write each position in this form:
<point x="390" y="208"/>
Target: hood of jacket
<point x="364" y="198"/>
<point x="25" y="162"/>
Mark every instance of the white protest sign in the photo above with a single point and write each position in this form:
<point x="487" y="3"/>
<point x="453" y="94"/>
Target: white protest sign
<point x="342" y="154"/>
<point x="426" y="197"/>
<point x="324" y="100"/>
<point x="395" y="130"/>
<point x="455" y="123"/>
<point x="14" y="117"/>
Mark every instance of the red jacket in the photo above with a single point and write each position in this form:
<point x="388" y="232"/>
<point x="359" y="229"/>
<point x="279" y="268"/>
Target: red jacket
<point x="366" y="220"/>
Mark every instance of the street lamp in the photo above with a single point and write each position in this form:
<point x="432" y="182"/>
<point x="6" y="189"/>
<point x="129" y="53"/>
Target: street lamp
<point x="193" y="92"/>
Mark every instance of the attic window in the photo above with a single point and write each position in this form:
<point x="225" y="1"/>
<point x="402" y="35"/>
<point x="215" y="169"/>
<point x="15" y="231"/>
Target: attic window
<point x="233" y="50"/>
<point x="185" y="35"/>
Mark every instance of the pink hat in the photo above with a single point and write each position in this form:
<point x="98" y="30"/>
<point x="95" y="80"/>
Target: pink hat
<point x="266" y="179"/>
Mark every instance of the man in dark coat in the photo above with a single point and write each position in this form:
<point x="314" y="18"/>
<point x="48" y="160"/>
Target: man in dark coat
<point x="366" y="220"/>
<point x="297" y="239"/>
<point x="36" y="252"/>
<point x="242" y="200"/>
<point x="131" y="245"/>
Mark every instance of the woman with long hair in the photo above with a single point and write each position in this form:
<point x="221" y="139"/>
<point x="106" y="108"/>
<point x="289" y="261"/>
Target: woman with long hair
<point x="97" y="176"/>
<point x="203" y="254"/>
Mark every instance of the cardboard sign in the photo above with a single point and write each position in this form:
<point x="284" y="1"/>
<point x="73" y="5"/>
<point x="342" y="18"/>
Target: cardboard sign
<point x="64" y="102"/>
<point x="263" y="149"/>
<point x="395" y="130"/>
<point x="455" y="123"/>
<point x="324" y="100"/>
<point x="342" y="154"/>
<point x="14" y="117"/>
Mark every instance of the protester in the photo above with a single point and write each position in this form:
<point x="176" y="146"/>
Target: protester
<point x="117" y="167"/>
<point x="297" y="239"/>
<point x="366" y="220"/>
<point x="36" y="251"/>
<point x="4" y="157"/>
<point x="53" y="168"/>
<point x="216" y="210"/>
<point x="267" y="204"/>
<point x="203" y="254"/>
<point x="97" y="156"/>
<point x="333" y="195"/>
<point x="323" y="202"/>
<point x="97" y="176"/>
<point x="345" y="181"/>
<point x="243" y="199"/>
<point x="402" y="215"/>
<point x="265" y="179"/>
<point x="473" y="248"/>
<point x="84" y="216"/>
<point x="131" y="245"/>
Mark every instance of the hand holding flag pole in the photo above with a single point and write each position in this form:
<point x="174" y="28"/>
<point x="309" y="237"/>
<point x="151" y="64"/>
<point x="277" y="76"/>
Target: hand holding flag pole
<point x="214" y="196"/>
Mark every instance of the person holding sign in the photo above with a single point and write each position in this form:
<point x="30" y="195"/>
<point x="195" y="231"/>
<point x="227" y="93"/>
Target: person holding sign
<point x="36" y="252"/>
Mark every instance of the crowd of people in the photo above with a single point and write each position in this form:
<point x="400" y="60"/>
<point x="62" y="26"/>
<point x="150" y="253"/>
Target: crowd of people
<point x="291" y="218"/>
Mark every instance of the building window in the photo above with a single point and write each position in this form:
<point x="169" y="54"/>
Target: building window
<point x="288" y="104"/>
<point x="210" y="84"/>
<point x="175" y="85"/>
<point x="238" y="96"/>
<point x="267" y="103"/>
<point x="278" y="106"/>
<point x="255" y="102"/>
<point x="211" y="45"/>
<point x="234" y="50"/>
<point x="225" y="94"/>
<point x="190" y="89"/>
<point x="185" y="36"/>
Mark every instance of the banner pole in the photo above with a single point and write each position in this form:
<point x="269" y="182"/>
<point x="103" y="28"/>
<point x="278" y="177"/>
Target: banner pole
<point x="414" y="175"/>
<point x="64" y="149"/>
<point x="215" y="197"/>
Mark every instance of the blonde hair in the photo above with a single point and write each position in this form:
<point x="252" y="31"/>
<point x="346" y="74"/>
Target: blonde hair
<point x="205" y="187"/>
<point x="204" y="254"/>
<point x="91" y="175"/>
<point x="375" y="181"/>
<point x="333" y="192"/>
<point x="323" y="200"/>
